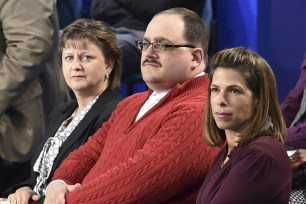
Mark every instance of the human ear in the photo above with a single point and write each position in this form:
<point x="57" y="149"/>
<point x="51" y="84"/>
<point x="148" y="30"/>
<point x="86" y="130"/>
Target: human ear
<point x="197" y="57"/>
<point x="109" y="65"/>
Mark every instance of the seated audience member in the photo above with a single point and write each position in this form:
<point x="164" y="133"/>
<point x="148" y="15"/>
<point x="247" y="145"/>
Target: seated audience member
<point x="151" y="150"/>
<point x="294" y="112"/>
<point x="91" y="63"/>
<point x="129" y="20"/>
<point x="243" y="111"/>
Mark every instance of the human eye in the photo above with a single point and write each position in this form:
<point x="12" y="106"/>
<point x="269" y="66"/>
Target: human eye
<point x="68" y="58"/>
<point x="234" y="91"/>
<point x="213" y="89"/>
<point x="143" y="45"/>
<point x="160" y="43"/>
<point x="144" y="42"/>
<point x="159" y="46"/>
<point x="87" y="57"/>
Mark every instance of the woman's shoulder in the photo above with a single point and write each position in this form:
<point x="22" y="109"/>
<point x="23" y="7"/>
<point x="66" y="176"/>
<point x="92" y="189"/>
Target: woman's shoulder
<point x="267" y="148"/>
<point x="263" y="142"/>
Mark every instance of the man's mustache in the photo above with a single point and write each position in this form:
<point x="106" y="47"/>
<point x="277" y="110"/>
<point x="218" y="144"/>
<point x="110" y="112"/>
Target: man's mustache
<point x="151" y="61"/>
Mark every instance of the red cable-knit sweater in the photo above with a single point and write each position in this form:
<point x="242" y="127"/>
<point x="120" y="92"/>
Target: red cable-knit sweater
<point x="161" y="158"/>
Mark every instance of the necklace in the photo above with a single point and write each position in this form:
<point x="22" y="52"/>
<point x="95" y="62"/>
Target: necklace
<point x="227" y="157"/>
<point x="68" y="120"/>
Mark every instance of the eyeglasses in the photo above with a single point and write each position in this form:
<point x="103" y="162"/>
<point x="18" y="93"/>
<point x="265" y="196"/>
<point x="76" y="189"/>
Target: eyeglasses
<point x="157" y="46"/>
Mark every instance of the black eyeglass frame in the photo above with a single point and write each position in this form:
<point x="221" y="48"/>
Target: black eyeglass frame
<point x="162" y="46"/>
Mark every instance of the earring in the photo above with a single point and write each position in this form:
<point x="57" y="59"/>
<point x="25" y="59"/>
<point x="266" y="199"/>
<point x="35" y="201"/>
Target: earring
<point x="107" y="76"/>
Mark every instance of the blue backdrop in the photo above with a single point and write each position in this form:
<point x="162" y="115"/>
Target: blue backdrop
<point x="276" y="29"/>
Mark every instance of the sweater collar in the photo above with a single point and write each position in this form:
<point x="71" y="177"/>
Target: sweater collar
<point x="191" y="85"/>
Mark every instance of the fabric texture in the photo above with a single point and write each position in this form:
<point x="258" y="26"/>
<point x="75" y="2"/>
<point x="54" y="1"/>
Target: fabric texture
<point x="297" y="197"/>
<point x="31" y="82"/>
<point x="44" y="163"/>
<point x="291" y="106"/>
<point x="92" y="121"/>
<point x="161" y="158"/>
<point x="257" y="172"/>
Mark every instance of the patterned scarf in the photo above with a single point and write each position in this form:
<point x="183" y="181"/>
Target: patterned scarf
<point x="44" y="163"/>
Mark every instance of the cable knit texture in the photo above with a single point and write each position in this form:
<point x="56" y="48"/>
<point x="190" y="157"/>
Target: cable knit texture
<point x="161" y="158"/>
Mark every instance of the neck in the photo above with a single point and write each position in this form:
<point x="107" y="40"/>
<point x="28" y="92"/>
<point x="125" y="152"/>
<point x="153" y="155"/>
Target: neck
<point x="232" y="140"/>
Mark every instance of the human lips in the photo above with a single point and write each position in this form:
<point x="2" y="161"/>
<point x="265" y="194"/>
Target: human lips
<point x="78" y="76"/>
<point x="222" y="115"/>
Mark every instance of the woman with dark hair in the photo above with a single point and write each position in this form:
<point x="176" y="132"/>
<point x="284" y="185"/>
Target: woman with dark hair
<point x="243" y="116"/>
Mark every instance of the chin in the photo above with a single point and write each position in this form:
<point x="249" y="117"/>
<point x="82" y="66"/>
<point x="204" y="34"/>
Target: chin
<point x="223" y="126"/>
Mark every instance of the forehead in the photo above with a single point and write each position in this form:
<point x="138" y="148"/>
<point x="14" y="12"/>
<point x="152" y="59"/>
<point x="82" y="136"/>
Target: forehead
<point x="165" y="26"/>
<point x="80" y="44"/>
<point x="228" y="77"/>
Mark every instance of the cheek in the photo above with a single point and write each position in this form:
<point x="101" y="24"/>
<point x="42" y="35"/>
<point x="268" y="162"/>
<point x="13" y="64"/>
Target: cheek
<point x="66" y="72"/>
<point x="245" y="112"/>
<point x="213" y="103"/>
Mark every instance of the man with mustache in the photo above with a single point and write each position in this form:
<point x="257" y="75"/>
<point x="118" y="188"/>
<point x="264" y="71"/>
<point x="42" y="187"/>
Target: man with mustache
<point x="151" y="150"/>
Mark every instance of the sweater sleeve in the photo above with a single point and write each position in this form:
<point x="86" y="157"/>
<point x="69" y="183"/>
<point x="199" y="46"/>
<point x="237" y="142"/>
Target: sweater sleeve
<point x="296" y="136"/>
<point x="173" y="161"/>
<point x="290" y="106"/>
<point x="79" y="162"/>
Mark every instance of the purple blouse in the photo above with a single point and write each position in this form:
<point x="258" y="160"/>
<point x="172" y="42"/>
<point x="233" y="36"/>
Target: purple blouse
<point x="257" y="172"/>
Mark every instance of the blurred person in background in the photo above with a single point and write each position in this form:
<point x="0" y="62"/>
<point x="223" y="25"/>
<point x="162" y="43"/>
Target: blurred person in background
<point x="31" y="82"/>
<point x="294" y="112"/>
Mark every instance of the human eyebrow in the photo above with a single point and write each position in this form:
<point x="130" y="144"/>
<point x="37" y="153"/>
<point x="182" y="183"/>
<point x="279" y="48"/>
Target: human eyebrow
<point x="235" y="89"/>
<point x="214" y="85"/>
<point x="159" y="39"/>
<point x="163" y="40"/>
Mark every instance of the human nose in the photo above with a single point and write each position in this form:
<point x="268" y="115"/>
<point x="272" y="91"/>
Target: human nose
<point x="221" y="99"/>
<point x="76" y="64"/>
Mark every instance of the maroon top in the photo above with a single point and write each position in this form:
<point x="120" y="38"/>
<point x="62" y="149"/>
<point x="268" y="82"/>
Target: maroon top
<point x="257" y="172"/>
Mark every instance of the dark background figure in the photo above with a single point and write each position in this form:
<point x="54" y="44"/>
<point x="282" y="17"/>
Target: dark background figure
<point x="31" y="82"/>
<point x="294" y="112"/>
<point x="68" y="11"/>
